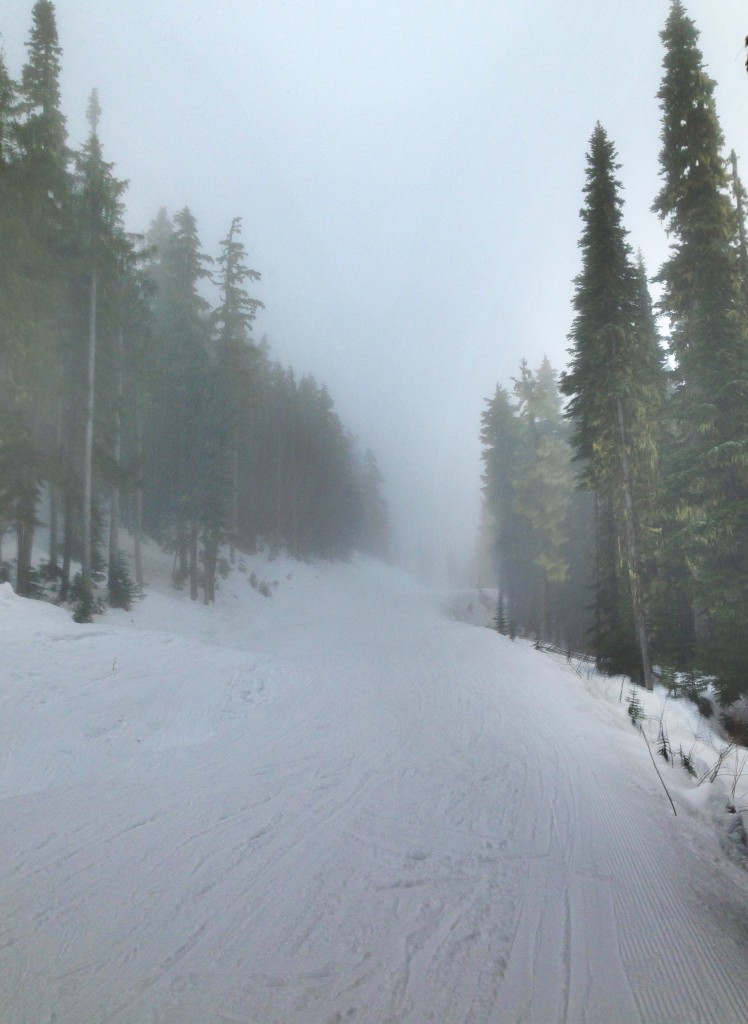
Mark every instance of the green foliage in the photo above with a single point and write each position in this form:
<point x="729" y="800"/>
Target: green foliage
<point x="664" y="749"/>
<point x="634" y="708"/>
<point x="83" y="601"/>
<point x="501" y="619"/>
<point x="122" y="387"/>
<point x="528" y="497"/>
<point x="686" y="762"/>
<point x="704" y="297"/>
<point x="122" y="591"/>
<point x="615" y="385"/>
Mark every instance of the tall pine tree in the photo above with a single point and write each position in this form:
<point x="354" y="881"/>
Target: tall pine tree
<point x="235" y="352"/>
<point x="103" y="245"/>
<point x="703" y="299"/>
<point x="615" y="390"/>
<point x="39" y="184"/>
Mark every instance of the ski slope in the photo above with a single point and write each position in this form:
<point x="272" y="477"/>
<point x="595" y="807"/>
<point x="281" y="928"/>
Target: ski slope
<point x="336" y="805"/>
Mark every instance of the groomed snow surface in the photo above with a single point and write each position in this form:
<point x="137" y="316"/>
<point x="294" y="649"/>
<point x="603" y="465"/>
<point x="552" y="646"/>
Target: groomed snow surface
<point x="335" y="805"/>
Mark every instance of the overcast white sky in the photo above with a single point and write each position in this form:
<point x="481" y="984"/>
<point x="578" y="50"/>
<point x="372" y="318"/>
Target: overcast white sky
<point x="409" y="174"/>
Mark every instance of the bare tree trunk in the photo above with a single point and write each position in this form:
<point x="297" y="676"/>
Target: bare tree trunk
<point x="294" y="511"/>
<point x="113" y="528"/>
<point x="53" y="524"/>
<point x="182" y="553"/>
<point x="25" y="525"/>
<point x="25" y="541"/>
<point x="234" y="498"/>
<point x="210" y="561"/>
<point x="138" y="528"/>
<point x="193" y="561"/>
<point x="54" y="494"/>
<point x="138" y="517"/>
<point x="114" y="499"/>
<point x="67" y="541"/>
<point x="637" y="597"/>
<point x="86" y="560"/>
<point x="278" y="480"/>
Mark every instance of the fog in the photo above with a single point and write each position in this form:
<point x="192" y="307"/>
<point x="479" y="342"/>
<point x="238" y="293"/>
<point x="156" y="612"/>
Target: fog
<point x="409" y="175"/>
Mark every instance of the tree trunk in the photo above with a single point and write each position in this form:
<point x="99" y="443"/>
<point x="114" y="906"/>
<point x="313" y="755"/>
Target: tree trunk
<point x="634" y="565"/>
<point x="138" y="523"/>
<point x="183" y="553"/>
<point x="113" y="528"/>
<point x="67" y="541"/>
<point x="87" y="556"/>
<point x="278" y="482"/>
<point x="53" y="524"/>
<point x="25" y="540"/>
<point x="25" y="524"/>
<point x="210" y="560"/>
<point x="114" y="500"/>
<point x="54" y="493"/>
<point x="193" y="561"/>
<point x="234" y="498"/>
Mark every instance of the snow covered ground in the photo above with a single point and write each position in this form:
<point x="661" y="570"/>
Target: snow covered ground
<point x="335" y="805"/>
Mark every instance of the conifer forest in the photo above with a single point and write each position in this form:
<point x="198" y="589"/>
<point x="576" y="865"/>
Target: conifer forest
<point x="138" y="392"/>
<point x="135" y="391"/>
<point x="616" y="491"/>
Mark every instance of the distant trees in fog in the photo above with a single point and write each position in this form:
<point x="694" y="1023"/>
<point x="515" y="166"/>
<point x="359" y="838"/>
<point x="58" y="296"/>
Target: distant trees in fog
<point x="658" y="522"/>
<point x="536" y="519"/>
<point x="126" y="395"/>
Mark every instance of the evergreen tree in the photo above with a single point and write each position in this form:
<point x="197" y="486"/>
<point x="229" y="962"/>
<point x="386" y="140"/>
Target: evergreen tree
<point x="103" y="245"/>
<point x="127" y="380"/>
<point x="232" y="322"/>
<point x="614" y="384"/>
<point x="12" y="278"/>
<point x="739" y="197"/>
<point x="42" y="130"/>
<point x="123" y="395"/>
<point x="703" y="299"/>
<point x="542" y="492"/>
<point x="34" y="192"/>
<point x="500" y="435"/>
<point x="177" y="406"/>
<point x="539" y="524"/>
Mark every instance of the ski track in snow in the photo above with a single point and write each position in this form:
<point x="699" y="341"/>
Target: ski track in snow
<point x="341" y="809"/>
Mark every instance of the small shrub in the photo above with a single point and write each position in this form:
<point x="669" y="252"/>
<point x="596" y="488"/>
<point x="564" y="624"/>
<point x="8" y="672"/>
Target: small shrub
<point x="122" y="590"/>
<point x="686" y="763"/>
<point x="36" y="585"/>
<point x="50" y="576"/>
<point x="663" y="745"/>
<point x="634" y="708"/>
<point x="82" y="600"/>
<point x="501" y="621"/>
<point x="85" y="605"/>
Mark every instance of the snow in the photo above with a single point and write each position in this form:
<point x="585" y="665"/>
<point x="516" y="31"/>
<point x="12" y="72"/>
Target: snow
<point x="336" y="804"/>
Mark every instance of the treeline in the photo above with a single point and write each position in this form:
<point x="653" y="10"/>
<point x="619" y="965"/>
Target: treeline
<point x="126" y="396"/>
<point x="621" y="523"/>
<point x="537" y="521"/>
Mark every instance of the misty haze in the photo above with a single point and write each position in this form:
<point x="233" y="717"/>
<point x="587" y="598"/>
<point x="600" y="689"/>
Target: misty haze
<point x="373" y="512"/>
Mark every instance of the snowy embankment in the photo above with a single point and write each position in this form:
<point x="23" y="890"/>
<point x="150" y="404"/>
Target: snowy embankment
<point x="336" y="805"/>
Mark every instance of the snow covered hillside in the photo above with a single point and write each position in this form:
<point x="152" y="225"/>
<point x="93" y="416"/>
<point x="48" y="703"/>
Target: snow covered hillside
<point x="334" y="805"/>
